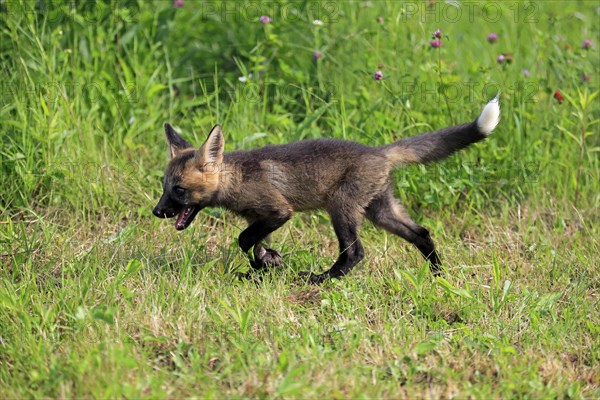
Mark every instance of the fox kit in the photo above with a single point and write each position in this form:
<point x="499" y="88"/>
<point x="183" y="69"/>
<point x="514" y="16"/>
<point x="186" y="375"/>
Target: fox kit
<point x="347" y="179"/>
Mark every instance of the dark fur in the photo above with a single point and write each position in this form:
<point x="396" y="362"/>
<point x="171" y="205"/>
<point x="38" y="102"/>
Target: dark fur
<point x="267" y="185"/>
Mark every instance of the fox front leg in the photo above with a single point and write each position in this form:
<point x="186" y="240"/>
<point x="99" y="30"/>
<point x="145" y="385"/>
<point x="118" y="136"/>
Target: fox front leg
<point x="255" y="234"/>
<point x="351" y="252"/>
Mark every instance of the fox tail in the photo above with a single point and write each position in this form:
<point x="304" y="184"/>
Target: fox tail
<point x="437" y="145"/>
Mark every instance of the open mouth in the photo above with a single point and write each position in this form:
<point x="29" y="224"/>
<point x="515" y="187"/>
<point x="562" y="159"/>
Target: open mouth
<point x="185" y="217"/>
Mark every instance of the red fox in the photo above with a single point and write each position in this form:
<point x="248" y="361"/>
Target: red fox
<point x="347" y="179"/>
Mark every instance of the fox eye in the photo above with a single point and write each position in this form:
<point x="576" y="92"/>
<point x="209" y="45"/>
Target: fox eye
<point x="179" y="191"/>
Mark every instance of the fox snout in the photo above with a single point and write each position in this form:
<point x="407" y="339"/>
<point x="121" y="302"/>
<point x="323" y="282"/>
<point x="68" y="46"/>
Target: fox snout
<point x="168" y="208"/>
<point x="164" y="210"/>
<point x="161" y="213"/>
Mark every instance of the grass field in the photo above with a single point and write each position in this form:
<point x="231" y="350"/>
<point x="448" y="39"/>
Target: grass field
<point x="99" y="299"/>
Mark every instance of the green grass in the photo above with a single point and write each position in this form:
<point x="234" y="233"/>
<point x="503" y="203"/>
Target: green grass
<point x="100" y="299"/>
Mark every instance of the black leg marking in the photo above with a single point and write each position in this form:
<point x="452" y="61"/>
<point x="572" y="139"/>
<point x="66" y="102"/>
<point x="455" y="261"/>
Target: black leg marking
<point x="255" y="234"/>
<point x="386" y="212"/>
<point x="351" y="250"/>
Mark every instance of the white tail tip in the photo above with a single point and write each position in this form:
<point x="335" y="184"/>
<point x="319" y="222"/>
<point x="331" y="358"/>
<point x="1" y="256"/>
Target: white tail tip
<point x="490" y="116"/>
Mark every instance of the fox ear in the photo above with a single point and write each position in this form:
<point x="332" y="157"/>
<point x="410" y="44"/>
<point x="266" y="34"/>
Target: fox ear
<point x="211" y="151"/>
<point x="176" y="143"/>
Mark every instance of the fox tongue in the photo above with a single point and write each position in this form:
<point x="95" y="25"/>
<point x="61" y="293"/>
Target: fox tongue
<point x="182" y="218"/>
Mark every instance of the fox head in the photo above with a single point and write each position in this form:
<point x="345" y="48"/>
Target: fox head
<point x="191" y="179"/>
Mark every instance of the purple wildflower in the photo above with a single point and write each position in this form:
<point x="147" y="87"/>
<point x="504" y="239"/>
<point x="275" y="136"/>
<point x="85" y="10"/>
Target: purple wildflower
<point x="436" y="43"/>
<point x="378" y="75"/>
<point x="526" y="73"/>
<point x="437" y="34"/>
<point x="265" y="19"/>
<point x="492" y="37"/>
<point x="501" y="58"/>
<point x="178" y="3"/>
<point x="316" y="55"/>
<point x="587" y="44"/>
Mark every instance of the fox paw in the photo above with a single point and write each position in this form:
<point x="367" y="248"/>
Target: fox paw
<point x="266" y="258"/>
<point x="313" y="279"/>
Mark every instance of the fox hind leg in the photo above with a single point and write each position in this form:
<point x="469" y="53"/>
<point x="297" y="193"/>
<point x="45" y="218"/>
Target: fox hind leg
<point x="386" y="212"/>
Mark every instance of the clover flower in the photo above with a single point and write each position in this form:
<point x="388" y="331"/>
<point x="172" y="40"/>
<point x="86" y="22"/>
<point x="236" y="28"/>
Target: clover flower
<point x="492" y="37"/>
<point x="587" y="44"/>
